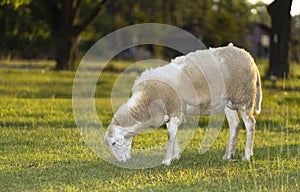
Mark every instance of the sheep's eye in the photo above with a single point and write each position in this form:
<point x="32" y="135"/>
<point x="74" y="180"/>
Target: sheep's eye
<point x="113" y="143"/>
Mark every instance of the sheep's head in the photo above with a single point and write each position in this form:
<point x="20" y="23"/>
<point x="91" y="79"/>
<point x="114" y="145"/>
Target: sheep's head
<point x="124" y="127"/>
<point x="118" y="141"/>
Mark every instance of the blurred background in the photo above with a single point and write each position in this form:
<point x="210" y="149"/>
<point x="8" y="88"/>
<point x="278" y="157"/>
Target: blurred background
<point x="62" y="31"/>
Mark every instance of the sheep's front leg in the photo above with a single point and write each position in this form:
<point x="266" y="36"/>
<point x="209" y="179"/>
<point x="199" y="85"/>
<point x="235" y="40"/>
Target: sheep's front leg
<point x="173" y="150"/>
<point x="250" y="127"/>
<point x="233" y="121"/>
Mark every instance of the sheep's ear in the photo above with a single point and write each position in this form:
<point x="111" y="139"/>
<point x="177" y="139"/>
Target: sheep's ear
<point x="128" y="133"/>
<point x="119" y="141"/>
<point x="118" y="136"/>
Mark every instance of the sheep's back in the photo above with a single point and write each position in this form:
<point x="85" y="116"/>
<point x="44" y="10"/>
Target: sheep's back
<point x="205" y="78"/>
<point x="221" y="73"/>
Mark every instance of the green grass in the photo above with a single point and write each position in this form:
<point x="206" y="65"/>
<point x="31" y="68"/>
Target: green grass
<point x="41" y="148"/>
<point x="27" y="64"/>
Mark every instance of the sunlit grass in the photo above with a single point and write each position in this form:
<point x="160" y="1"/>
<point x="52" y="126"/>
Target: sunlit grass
<point x="41" y="148"/>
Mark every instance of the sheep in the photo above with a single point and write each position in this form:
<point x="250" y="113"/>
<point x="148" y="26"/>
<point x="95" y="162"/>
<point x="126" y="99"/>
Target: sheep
<point x="200" y="83"/>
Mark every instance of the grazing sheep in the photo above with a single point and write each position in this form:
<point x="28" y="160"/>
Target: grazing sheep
<point x="201" y="83"/>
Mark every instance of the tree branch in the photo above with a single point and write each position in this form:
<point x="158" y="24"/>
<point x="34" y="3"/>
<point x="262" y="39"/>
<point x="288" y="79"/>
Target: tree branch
<point x="75" y="7"/>
<point x="98" y="11"/>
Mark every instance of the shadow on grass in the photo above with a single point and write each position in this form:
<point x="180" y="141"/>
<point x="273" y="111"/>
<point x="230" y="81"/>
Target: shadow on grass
<point x="98" y="174"/>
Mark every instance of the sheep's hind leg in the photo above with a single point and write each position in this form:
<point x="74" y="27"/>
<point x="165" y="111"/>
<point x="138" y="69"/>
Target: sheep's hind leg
<point x="233" y="121"/>
<point x="173" y="150"/>
<point x="250" y="127"/>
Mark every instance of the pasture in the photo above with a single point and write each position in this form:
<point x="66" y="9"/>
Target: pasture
<point x="41" y="148"/>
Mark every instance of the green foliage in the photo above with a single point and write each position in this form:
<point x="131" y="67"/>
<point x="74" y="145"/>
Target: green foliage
<point x="28" y="27"/>
<point x="15" y="3"/>
<point x="228" y="22"/>
<point x="260" y="14"/>
<point x="218" y="22"/>
<point x="21" y="36"/>
<point x="41" y="148"/>
<point x="295" y="39"/>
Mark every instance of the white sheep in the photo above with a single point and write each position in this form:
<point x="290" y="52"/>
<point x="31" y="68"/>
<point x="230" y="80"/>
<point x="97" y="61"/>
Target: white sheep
<point x="201" y="83"/>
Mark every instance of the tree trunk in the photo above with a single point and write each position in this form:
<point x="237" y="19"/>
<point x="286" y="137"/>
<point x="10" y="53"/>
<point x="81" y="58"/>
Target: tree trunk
<point x="66" y="24"/>
<point x="65" y="52"/>
<point x="281" y="23"/>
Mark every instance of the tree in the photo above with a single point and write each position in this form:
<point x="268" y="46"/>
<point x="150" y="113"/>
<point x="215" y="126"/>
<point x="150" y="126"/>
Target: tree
<point x="295" y="39"/>
<point x="260" y="13"/>
<point x="218" y="22"/>
<point x="281" y="24"/>
<point x="67" y="19"/>
<point x="229" y="21"/>
<point x="20" y="35"/>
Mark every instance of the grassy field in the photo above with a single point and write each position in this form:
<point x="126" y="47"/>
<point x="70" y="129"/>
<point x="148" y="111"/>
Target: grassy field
<point x="41" y="148"/>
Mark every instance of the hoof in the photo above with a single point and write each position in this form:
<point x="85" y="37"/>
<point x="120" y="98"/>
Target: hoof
<point x="246" y="158"/>
<point x="227" y="157"/>
<point x="177" y="156"/>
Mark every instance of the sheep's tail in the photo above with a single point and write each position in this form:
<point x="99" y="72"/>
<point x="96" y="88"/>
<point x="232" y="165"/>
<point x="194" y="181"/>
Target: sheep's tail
<point x="258" y="94"/>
